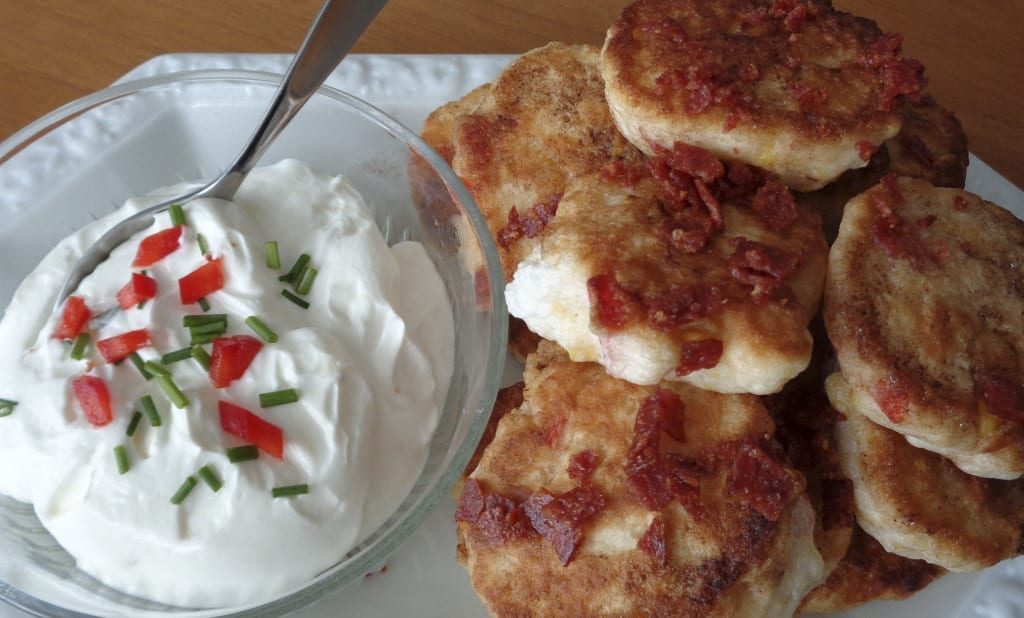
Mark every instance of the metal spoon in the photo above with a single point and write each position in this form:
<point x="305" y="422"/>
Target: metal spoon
<point x="336" y="28"/>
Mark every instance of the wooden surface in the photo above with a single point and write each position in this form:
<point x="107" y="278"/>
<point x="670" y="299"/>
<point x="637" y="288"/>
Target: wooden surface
<point x="53" y="51"/>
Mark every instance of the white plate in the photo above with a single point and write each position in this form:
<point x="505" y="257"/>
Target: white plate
<point x="422" y="578"/>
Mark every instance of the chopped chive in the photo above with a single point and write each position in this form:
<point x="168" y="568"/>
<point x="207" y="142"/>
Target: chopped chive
<point x="156" y="368"/>
<point x="133" y="425"/>
<point x="278" y="398"/>
<point x="203" y="304"/>
<point x="172" y="391"/>
<point x="273" y="255"/>
<point x="238" y="454"/>
<point x="203" y="247"/>
<point x="201" y="356"/>
<point x="78" y="350"/>
<point x="205" y="329"/>
<point x="203" y="339"/>
<point x="149" y="407"/>
<point x="261" y="329"/>
<point x="121" y="457"/>
<point x="290" y="490"/>
<point x="7" y="407"/>
<point x="177" y="214"/>
<point x="307" y="281"/>
<point x="210" y="477"/>
<point x="293" y="275"/>
<point x="295" y="299"/>
<point x="190" y="321"/>
<point x="140" y="305"/>
<point x="183" y="491"/>
<point x="176" y="356"/>
<point x="140" y="365"/>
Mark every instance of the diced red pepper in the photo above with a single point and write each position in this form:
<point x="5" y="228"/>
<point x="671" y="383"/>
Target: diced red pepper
<point x="73" y="320"/>
<point x="156" y="247"/>
<point x="252" y="429"/>
<point x="140" y="288"/>
<point x="120" y="347"/>
<point x="231" y="357"/>
<point x="92" y="394"/>
<point x="201" y="282"/>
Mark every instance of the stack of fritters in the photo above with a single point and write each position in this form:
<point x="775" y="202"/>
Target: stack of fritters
<point x="641" y="197"/>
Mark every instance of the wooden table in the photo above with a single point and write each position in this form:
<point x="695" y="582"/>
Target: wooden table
<point x="53" y="51"/>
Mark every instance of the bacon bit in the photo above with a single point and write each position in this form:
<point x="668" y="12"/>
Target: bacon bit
<point x="959" y="203"/>
<point x="757" y="480"/>
<point x="582" y="465"/>
<point x="899" y="76"/>
<point x="120" y="347"/>
<point x="140" y="288"/>
<point x="494" y="518"/>
<point x="697" y="355"/>
<point x="927" y="221"/>
<point x="693" y="161"/>
<point x="764" y="267"/>
<point x="809" y="99"/>
<point x="1003" y="396"/>
<point x="554" y="432"/>
<point x="667" y="28"/>
<point x="796" y="17"/>
<point x="749" y="72"/>
<point x="866" y="150"/>
<point x="560" y="519"/>
<point x="656" y="478"/>
<point x="965" y="247"/>
<point x="531" y="224"/>
<point x="611" y="305"/>
<point x="653" y="542"/>
<point x="679" y="306"/>
<point x="623" y="173"/>
<point x="94" y="398"/>
<point x="776" y="205"/>
<point x="74" y="318"/>
<point x="893" y="397"/>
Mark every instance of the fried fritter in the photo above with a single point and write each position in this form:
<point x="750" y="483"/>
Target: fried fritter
<point x="918" y="504"/>
<point x="599" y="497"/>
<point x="925" y="308"/>
<point x="543" y="122"/>
<point x="715" y="294"/>
<point x="793" y="86"/>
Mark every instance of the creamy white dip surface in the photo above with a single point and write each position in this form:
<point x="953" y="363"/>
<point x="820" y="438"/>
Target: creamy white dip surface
<point x="371" y="358"/>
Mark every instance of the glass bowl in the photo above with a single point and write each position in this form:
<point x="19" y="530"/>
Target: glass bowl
<point x="85" y="159"/>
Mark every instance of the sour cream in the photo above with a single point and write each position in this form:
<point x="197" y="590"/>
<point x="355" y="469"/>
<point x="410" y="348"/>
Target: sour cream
<point x="371" y="357"/>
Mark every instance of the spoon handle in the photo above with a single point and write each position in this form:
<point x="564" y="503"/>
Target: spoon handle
<point x="336" y="29"/>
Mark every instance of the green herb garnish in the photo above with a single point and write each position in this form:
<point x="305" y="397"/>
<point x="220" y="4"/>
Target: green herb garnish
<point x="293" y="275"/>
<point x="177" y="214"/>
<point x="273" y="255"/>
<point x="210" y="478"/>
<point x="306" y="283"/>
<point x="133" y="424"/>
<point x="261" y="329"/>
<point x="295" y="299"/>
<point x="149" y="407"/>
<point x="172" y="391"/>
<point x="140" y="365"/>
<point x="156" y="369"/>
<point x="278" y="398"/>
<point x="238" y="454"/>
<point x="201" y="356"/>
<point x="121" y="457"/>
<point x="203" y="247"/>
<point x="290" y="490"/>
<point x="183" y="491"/>
<point x="7" y="407"/>
<point x="203" y="304"/>
<point x="176" y="356"/>
<point x="81" y="342"/>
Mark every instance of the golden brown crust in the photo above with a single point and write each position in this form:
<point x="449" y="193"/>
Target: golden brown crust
<point x="796" y="87"/>
<point x="731" y="562"/>
<point x="925" y="307"/>
<point x="606" y="229"/>
<point x="544" y="122"/>
<point x="869" y="573"/>
<point x="918" y="504"/>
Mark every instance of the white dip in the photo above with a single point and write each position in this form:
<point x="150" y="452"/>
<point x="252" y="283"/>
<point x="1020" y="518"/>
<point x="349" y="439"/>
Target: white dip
<point x="371" y="358"/>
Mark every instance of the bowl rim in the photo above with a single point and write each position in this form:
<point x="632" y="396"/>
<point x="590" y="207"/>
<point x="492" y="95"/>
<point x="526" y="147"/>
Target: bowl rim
<point x="381" y="543"/>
